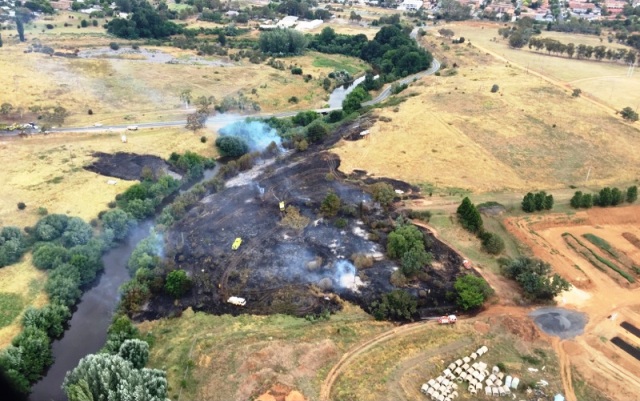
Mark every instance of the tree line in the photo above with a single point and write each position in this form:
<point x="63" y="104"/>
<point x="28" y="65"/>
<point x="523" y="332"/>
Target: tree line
<point x="537" y="202"/>
<point x="582" y="51"/>
<point x="605" y="197"/>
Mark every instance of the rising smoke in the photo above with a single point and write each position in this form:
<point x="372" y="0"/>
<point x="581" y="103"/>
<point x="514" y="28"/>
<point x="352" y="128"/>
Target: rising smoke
<point x="256" y="134"/>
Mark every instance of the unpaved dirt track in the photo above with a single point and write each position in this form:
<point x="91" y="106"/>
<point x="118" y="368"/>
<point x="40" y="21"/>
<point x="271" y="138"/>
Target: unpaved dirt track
<point x="565" y="369"/>
<point x="349" y="356"/>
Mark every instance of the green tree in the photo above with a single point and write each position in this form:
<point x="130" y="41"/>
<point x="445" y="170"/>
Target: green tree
<point x="632" y="194"/>
<point x="35" y="352"/>
<point x="605" y="197"/>
<point x="629" y="114"/>
<point x="548" y="202"/>
<point x="12" y="245"/>
<point x="617" y="197"/>
<point x="414" y="259"/>
<point x="316" y="132"/>
<point x="177" y="283"/>
<point x="120" y="330"/>
<point x="539" y="200"/>
<point x="535" y="278"/>
<point x="576" y="200"/>
<point x="528" y="203"/>
<point x="353" y="101"/>
<point x="471" y="291"/>
<point x="118" y="223"/>
<point x="282" y="42"/>
<point x="395" y="305"/>
<point x="492" y="243"/>
<point x="97" y="376"/>
<point x="135" y="351"/>
<point x="231" y="146"/>
<point x="469" y="216"/>
<point x="49" y="256"/>
<point x="383" y="193"/>
<point x="330" y="204"/>
<point x="50" y="319"/>
<point x="586" y="201"/>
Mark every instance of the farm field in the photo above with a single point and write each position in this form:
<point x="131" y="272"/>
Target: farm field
<point x="614" y="231"/>
<point x="47" y="171"/>
<point x="604" y="81"/>
<point x="455" y="133"/>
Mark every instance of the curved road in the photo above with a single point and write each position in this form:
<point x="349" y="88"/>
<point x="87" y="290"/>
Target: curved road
<point x="230" y="118"/>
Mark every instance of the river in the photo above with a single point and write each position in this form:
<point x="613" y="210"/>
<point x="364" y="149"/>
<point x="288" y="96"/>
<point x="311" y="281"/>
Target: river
<point x="87" y="331"/>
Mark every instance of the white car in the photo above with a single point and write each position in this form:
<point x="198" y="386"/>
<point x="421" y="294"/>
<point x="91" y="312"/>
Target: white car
<point x="132" y="128"/>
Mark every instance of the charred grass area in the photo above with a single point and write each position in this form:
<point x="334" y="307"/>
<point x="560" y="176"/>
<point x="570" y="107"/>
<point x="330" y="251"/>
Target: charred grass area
<point x="278" y="269"/>
<point x="237" y="358"/>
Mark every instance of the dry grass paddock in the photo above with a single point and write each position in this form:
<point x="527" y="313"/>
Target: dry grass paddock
<point x="531" y="134"/>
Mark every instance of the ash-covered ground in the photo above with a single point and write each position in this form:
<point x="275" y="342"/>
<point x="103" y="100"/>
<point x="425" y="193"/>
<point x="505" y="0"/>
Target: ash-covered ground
<point x="128" y="166"/>
<point x="280" y="270"/>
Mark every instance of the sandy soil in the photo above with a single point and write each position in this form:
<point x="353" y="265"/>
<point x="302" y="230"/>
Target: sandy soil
<point x="600" y="362"/>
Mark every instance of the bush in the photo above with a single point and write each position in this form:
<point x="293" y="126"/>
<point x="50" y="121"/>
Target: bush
<point x="576" y="93"/>
<point x="50" y="256"/>
<point x="383" y="193"/>
<point x="629" y="114"/>
<point x="231" y="146"/>
<point x="50" y="319"/>
<point x="395" y="305"/>
<point x="135" y="351"/>
<point x="114" y="46"/>
<point x="341" y="223"/>
<point x="296" y="71"/>
<point x="534" y="276"/>
<point x="133" y="295"/>
<point x="42" y="211"/>
<point x="305" y="118"/>
<point x="330" y="204"/>
<point x="495" y="88"/>
<point x="471" y="291"/>
<point x="12" y="245"/>
<point x="335" y="116"/>
<point x="84" y="23"/>
<point x="469" y="216"/>
<point x="316" y="132"/>
<point x="118" y="222"/>
<point x="177" y="283"/>
<point x="203" y="139"/>
<point x="632" y="194"/>
<point x="21" y="206"/>
<point x="492" y="243"/>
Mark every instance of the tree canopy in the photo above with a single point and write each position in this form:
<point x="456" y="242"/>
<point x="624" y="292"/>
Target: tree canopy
<point x="144" y="22"/>
<point x="471" y="291"/>
<point x="535" y="278"/>
<point x="282" y="42"/>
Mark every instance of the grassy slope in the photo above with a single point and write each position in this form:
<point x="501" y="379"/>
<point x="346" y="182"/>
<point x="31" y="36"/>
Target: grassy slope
<point x="235" y="357"/>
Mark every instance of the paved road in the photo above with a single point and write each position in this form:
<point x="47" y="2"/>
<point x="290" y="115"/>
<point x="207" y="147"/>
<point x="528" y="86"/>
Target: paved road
<point x="223" y="119"/>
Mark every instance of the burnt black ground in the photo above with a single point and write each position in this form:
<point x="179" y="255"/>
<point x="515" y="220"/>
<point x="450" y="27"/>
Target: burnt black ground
<point x="126" y="166"/>
<point x="270" y="270"/>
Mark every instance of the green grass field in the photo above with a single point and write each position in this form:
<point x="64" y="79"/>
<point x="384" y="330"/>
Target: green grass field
<point x="339" y="65"/>
<point x="10" y="307"/>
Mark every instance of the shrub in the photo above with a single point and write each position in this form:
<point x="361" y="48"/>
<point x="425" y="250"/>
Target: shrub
<point x="296" y="71"/>
<point x="632" y="194"/>
<point x="231" y="146"/>
<point x="50" y="256"/>
<point x="383" y="193"/>
<point x="335" y="116"/>
<point x="118" y="222"/>
<point x="395" y="305"/>
<point x="293" y="99"/>
<point x="135" y="351"/>
<point x="341" y="222"/>
<point x="629" y="114"/>
<point x="534" y="276"/>
<point x="21" y="206"/>
<point x="203" y="139"/>
<point x="330" y="204"/>
<point x="177" y="283"/>
<point x="469" y="216"/>
<point x="576" y="93"/>
<point x="114" y="46"/>
<point x="471" y="291"/>
<point x="42" y="211"/>
<point x="84" y="23"/>
<point x="495" y="88"/>
<point x="50" y="319"/>
<point x="12" y="245"/>
<point x="305" y="118"/>
<point x="316" y="132"/>
<point x="134" y="295"/>
<point x="492" y="243"/>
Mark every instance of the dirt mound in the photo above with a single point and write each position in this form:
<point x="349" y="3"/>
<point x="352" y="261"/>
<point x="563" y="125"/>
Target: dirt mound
<point x="127" y="166"/>
<point x="281" y="392"/>
<point x="516" y="325"/>
<point x="560" y="322"/>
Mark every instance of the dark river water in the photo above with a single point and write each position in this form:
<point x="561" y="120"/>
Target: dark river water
<point x="87" y="330"/>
